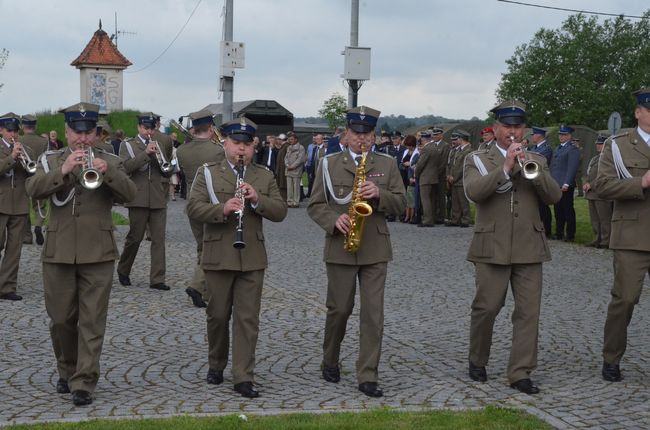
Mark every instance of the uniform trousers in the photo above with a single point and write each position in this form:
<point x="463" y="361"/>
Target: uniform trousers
<point x="630" y="269"/>
<point x="565" y="215"/>
<point x="459" y="206"/>
<point x="491" y="287"/>
<point x="441" y="205"/>
<point x="341" y="288"/>
<point x="429" y="200"/>
<point x="76" y="300"/>
<point x="39" y="208"/>
<point x="600" y="214"/>
<point x="198" y="278"/>
<point x="238" y="294"/>
<point x="138" y="220"/>
<point x="13" y="227"/>
<point x="293" y="190"/>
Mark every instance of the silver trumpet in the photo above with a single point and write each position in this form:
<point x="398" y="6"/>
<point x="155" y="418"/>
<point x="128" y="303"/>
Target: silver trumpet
<point x="90" y="178"/>
<point x="25" y="160"/>
<point x="165" y="166"/>
<point x="530" y="168"/>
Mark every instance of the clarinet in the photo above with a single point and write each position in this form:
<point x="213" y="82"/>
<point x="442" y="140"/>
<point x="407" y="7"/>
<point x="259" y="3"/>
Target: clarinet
<point x="239" y="194"/>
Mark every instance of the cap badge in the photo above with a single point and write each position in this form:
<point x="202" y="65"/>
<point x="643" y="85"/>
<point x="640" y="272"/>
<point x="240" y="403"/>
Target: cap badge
<point x="242" y="123"/>
<point x="362" y="113"/>
<point x="82" y="111"/>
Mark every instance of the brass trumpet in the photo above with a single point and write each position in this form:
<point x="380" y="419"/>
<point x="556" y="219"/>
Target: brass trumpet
<point x="90" y="178"/>
<point x="530" y="168"/>
<point x="28" y="164"/>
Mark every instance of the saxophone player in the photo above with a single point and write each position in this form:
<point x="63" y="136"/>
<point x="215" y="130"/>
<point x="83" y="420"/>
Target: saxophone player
<point x="329" y="204"/>
<point x="234" y="274"/>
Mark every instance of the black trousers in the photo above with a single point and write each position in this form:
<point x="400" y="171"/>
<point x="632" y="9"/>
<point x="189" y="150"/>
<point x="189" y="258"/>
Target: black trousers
<point x="565" y="216"/>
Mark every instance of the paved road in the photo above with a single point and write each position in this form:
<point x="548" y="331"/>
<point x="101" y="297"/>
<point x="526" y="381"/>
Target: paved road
<point x="155" y="353"/>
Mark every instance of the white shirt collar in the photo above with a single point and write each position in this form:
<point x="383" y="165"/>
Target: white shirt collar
<point x="645" y="136"/>
<point x="501" y="150"/>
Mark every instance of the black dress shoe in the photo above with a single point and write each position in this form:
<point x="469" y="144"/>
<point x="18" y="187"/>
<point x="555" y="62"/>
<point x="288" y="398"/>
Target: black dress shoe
<point x="81" y="398"/>
<point x="11" y="296"/>
<point x="62" y="386"/>
<point x="464" y="225"/>
<point x="451" y="224"/>
<point x="124" y="279"/>
<point x="197" y="298"/>
<point x="612" y="372"/>
<point x="215" y="377"/>
<point x="370" y="389"/>
<point x="477" y="373"/>
<point x="161" y="287"/>
<point x="39" y="235"/>
<point x="246" y="390"/>
<point x="526" y="386"/>
<point x="332" y="374"/>
<point x="570" y="239"/>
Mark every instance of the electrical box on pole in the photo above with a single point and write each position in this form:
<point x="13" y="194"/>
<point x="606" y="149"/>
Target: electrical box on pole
<point x="356" y="64"/>
<point x="232" y="57"/>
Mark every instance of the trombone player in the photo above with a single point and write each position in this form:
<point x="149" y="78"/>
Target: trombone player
<point x="15" y="167"/>
<point x="509" y="244"/>
<point x="383" y="190"/>
<point x="145" y="161"/>
<point x="79" y="252"/>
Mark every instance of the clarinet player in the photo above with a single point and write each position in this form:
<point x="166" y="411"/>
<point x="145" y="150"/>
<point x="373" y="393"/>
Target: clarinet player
<point x="329" y="204"/>
<point x="234" y="256"/>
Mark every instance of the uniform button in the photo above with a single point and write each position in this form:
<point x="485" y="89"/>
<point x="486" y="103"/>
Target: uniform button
<point x="516" y="202"/>
<point x="516" y="215"/>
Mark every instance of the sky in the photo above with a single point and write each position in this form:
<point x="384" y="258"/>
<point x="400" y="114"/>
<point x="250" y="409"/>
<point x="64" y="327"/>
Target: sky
<point x="436" y="57"/>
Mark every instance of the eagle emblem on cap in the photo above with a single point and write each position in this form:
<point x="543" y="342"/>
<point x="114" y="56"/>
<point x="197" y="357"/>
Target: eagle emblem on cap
<point x="362" y="112"/>
<point x="242" y="122"/>
<point x="82" y="110"/>
<point x="150" y="117"/>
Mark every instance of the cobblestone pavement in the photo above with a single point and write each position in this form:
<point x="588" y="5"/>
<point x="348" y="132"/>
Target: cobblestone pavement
<point x="155" y="355"/>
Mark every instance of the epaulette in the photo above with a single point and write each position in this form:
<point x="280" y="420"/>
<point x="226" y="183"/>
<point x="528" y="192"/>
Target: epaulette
<point x="101" y="151"/>
<point x="620" y="135"/>
<point x="333" y="153"/>
<point x="261" y="166"/>
<point x="479" y="151"/>
<point x="210" y="163"/>
<point x="384" y="155"/>
<point x="54" y="151"/>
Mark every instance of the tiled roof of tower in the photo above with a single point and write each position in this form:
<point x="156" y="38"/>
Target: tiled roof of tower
<point x="101" y="51"/>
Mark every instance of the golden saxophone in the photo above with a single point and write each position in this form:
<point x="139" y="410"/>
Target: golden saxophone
<point x="359" y="209"/>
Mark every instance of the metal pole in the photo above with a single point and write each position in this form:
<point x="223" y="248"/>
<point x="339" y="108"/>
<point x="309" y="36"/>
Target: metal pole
<point x="353" y="85"/>
<point x="228" y="83"/>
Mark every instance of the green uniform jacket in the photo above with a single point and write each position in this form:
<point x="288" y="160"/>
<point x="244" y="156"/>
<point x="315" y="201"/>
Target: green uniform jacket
<point x="427" y="169"/>
<point x="590" y="177"/>
<point x="144" y="171"/>
<point x="13" y="198"/>
<point x="80" y="231"/>
<point x="36" y="143"/>
<point x="458" y="163"/>
<point x="508" y="229"/>
<point x="375" y="244"/>
<point x="219" y="233"/>
<point x="192" y="155"/>
<point x="631" y="216"/>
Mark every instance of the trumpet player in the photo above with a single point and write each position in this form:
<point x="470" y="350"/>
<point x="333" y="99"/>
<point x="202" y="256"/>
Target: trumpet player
<point x="38" y="145"/>
<point x="14" y="204"/>
<point x="329" y="204"/>
<point x="79" y="252"/>
<point x="148" y="165"/>
<point x="509" y="244"/>
<point x="234" y="263"/>
<point x="624" y="176"/>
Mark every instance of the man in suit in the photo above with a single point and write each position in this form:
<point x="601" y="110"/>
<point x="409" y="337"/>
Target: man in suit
<point x="508" y="246"/>
<point x="294" y="161"/>
<point x="191" y="156"/>
<point x="313" y="153"/>
<point x="427" y="174"/>
<point x="79" y="253"/>
<point x="624" y="176"/>
<point x="38" y="145"/>
<point x="14" y="203"/>
<point x="459" y="202"/>
<point x="564" y="167"/>
<point x="150" y="205"/>
<point x="270" y="156"/>
<point x="542" y="147"/>
<point x="280" y="167"/>
<point x="333" y="190"/>
<point x="234" y="274"/>
<point x="600" y="210"/>
<point x="335" y="143"/>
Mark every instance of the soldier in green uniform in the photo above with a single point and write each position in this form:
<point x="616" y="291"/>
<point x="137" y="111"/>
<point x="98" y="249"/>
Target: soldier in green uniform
<point x="624" y="176"/>
<point x="38" y="145"/>
<point x="80" y="252"/>
<point x="427" y="173"/>
<point x="459" y="202"/>
<point x="234" y="275"/>
<point x="192" y="155"/>
<point x="600" y="210"/>
<point x="509" y="245"/>
<point x="150" y="204"/>
<point x="331" y="196"/>
<point x="14" y="203"/>
<point x="103" y="134"/>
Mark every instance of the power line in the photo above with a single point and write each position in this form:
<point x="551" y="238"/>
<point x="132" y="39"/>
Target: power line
<point x="572" y="10"/>
<point x="170" y="43"/>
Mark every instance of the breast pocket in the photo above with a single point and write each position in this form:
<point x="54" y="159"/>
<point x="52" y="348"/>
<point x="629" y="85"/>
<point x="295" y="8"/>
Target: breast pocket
<point x="341" y="189"/>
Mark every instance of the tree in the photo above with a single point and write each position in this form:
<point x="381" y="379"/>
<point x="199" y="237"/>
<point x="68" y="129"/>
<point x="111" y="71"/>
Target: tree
<point x="581" y="72"/>
<point x="334" y="110"/>
<point x="3" y="58"/>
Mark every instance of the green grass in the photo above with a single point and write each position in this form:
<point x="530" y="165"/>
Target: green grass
<point x="484" y="419"/>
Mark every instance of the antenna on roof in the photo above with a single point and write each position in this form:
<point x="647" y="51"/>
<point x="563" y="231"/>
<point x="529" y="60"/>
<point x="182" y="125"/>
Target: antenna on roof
<point x="115" y="35"/>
